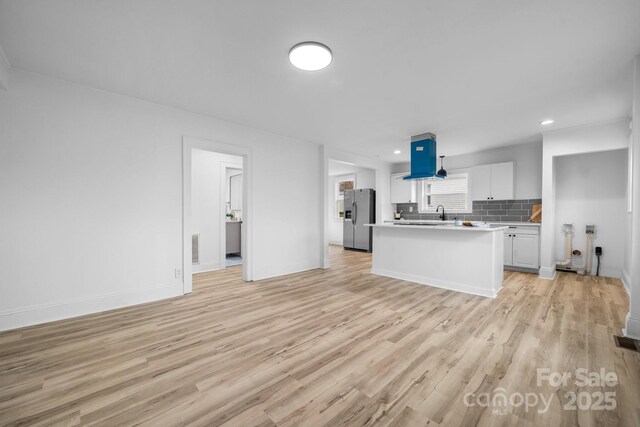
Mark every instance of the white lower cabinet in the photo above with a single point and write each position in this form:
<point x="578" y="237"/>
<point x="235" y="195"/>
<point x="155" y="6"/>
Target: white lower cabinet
<point x="508" y="249"/>
<point x="525" y="251"/>
<point x="522" y="247"/>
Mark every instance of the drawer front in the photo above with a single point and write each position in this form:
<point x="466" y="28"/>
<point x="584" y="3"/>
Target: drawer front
<point x="522" y="229"/>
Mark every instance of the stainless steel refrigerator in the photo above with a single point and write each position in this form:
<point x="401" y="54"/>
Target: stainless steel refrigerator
<point x="359" y="209"/>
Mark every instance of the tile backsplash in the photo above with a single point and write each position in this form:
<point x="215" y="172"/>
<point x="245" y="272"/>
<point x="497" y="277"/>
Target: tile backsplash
<point x="483" y="210"/>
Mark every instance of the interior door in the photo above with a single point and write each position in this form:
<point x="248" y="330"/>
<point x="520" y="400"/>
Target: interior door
<point x="525" y="251"/>
<point x="347" y="224"/>
<point x="362" y="209"/>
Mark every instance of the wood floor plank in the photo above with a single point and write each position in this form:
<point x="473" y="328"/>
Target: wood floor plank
<point x="323" y="347"/>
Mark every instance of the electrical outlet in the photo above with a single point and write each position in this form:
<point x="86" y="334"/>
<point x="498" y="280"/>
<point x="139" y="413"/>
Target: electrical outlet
<point x="178" y="273"/>
<point x="410" y="208"/>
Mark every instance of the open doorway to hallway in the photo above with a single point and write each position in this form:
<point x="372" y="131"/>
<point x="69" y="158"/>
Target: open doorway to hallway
<point x="242" y="159"/>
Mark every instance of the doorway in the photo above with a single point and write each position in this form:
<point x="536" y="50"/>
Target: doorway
<point x="216" y="198"/>
<point x="343" y="177"/>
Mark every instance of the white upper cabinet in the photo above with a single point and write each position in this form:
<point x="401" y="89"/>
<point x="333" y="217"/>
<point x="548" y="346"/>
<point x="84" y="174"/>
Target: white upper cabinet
<point x="402" y="191"/>
<point x="502" y="181"/>
<point x="495" y="181"/>
<point x="480" y="182"/>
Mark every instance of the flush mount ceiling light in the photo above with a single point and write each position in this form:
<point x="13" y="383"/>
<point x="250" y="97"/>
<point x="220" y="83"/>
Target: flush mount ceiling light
<point x="397" y="152"/>
<point x="546" y="122"/>
<point x="310" y="56"/>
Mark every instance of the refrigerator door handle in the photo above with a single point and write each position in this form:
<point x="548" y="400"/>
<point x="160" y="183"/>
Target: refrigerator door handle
<point x="355" y="213"/>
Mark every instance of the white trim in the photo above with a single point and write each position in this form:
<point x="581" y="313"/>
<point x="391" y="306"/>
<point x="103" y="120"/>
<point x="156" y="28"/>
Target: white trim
<point x="452" y="286"/>
<point x="210" y="266"/>
<point x="324" y="216"/>
<point x="188" y="144"/>
<point x="626" y="282"/>
<point x="608" y="272"/>
<point x="283" y="270"/>
<point x="547" y="273"/>
<point x="632" y="329"/>
<point x="44" y="313"/>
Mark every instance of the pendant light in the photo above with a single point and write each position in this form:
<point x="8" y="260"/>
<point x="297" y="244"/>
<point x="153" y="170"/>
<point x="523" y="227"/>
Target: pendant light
<point x="442" y="173"/>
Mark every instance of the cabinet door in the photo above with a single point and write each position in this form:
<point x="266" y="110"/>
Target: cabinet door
<point x="525" y="251"/>
<point x="508" y="249"/>
<point x="480" y="182"/>
<point x="502" y="181"/>
<point x="402" y="191"/>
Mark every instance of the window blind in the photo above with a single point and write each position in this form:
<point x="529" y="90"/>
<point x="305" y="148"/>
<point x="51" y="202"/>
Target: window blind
<point x="450" y="192"/>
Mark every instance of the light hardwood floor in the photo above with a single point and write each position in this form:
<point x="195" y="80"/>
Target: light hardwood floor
<point x="334" y="347"/>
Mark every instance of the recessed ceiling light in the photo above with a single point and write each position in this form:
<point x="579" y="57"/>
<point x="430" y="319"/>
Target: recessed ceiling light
<point x="310" y="56"/>
<point x="397" y="152"/>
<point x="546" y="122"/>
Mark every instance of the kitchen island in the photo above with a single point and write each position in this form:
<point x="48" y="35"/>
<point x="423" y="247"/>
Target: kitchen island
<point x="458" y="258"/>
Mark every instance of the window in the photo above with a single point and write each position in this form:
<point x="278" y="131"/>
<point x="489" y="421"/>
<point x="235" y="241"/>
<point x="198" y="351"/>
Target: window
<point x="451" y="192"/>
<point x="342" y="183"/>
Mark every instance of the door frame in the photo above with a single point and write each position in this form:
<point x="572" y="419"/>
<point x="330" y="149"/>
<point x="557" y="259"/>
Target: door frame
<point x="224" y="166"/>
<point x="188" y="144"/>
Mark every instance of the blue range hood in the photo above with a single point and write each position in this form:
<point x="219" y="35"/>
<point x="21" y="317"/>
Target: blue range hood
<point x="423" y="157"/>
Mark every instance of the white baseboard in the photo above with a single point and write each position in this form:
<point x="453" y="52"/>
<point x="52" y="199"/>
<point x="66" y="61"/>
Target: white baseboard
<point x="608" y="272"/>
<point x="35" y="315"/>
<point x="452" y="286"/>
<point x="335" y="242"/>
<point x="626" y="282"/>
<point x="201" y="268"/>
<point x="269" y="272"/>
<point x="632" y="329"/>
<point x="547" y="273"/>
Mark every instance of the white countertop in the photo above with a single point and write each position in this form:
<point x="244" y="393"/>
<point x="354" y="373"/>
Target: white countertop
<point x="431" y="221"/>
<point x="448" y="227"/>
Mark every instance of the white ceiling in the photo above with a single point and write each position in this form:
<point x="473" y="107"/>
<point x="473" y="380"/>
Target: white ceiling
<point x="477" y="73"/>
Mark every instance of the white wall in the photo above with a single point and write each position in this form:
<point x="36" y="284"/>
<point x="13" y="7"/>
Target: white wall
<point x="93" y="182"/>
<point x="564" y="142"/>
<point x="4" y="70"/>
<point x="632" y="271"/>
<point x="527" y="159"/>
<point x="365" y="178"/>
<point x="592" y="189"/>
<point x="207" y="203"/>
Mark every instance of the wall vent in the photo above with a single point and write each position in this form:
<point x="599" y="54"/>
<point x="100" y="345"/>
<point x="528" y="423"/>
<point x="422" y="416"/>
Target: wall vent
<point x="195" y="249"/>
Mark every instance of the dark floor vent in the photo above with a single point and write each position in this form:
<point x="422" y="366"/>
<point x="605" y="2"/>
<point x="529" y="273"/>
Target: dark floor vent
<point x="627" y="343"/>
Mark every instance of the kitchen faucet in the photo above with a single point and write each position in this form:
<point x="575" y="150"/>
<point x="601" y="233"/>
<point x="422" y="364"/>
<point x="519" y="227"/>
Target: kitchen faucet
<point x="442" y="217"/>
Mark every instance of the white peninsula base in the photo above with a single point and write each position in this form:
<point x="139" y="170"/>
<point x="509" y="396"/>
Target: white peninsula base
<point x="460" y="259"/>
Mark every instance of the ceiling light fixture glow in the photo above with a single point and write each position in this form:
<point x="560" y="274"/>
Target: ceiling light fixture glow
<point x="547" y="122"/>
<point x="397" y="152"/>
<point x="310" y="56"/>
